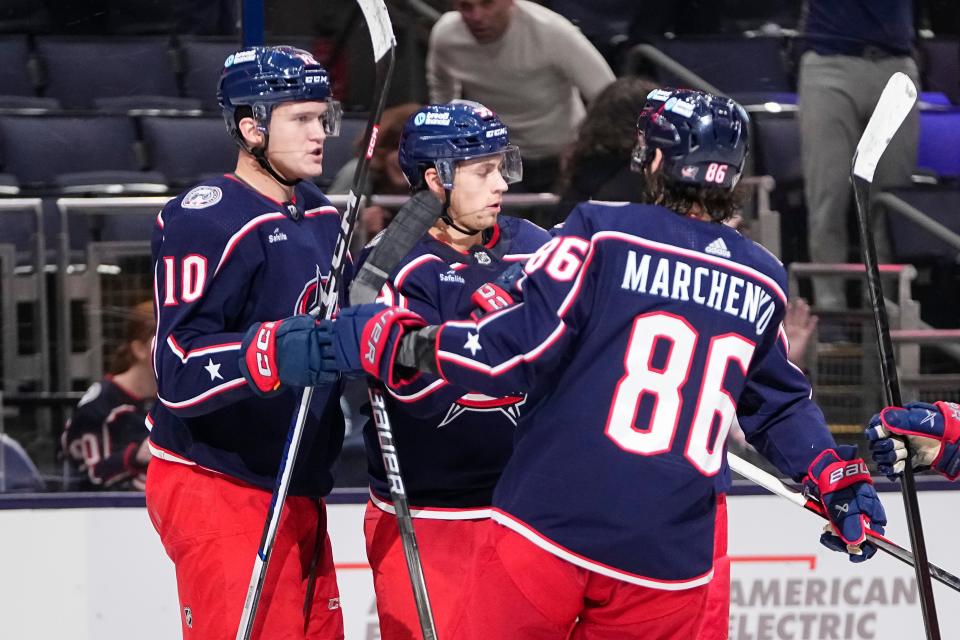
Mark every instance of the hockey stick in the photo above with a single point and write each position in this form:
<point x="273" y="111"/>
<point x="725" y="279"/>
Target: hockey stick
<point x="413" y="220"/>
<point x="384" y="45"/>
<point x="775" y="486"/>
<point x="895" y="103"/>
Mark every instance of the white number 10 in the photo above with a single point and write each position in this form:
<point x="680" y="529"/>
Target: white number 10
<point x="664" y="384"/>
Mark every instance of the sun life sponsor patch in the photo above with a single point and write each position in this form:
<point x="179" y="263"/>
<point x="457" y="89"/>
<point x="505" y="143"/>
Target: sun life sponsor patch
<point x="201" y="197"/>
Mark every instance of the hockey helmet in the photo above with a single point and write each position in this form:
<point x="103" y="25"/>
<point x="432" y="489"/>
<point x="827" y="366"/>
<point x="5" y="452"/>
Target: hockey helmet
<point x="441" y="135"/>
<point x="703" y="137"/>
<point x="263" y="77"/>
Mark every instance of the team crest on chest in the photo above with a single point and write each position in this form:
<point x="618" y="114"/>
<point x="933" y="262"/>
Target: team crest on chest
<point x="310" y="294"/>
<point x="201" y="197"/>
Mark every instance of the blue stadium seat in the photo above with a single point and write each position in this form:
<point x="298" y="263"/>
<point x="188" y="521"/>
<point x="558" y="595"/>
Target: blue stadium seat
<point x="732" y="64"/>
<point x="202" y="63"/>
<point x="776" y="152"/>
<point x="913" y="244"/>
<point x="338" y="151"/>
<point x="940" y="66"/>
<point x="15" y="76"/>
<point x="186" y="149"/>
<point x="939" y="145"/>
<point x="39" y="149"/>
<point x="77" y="70"/>
<point x="20" y="474"/>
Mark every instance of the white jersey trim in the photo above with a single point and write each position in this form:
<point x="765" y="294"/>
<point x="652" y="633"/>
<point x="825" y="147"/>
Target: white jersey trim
<point x="434" y="513"/>
<point x="189" y="402"/>
<point x="551" y="547"/>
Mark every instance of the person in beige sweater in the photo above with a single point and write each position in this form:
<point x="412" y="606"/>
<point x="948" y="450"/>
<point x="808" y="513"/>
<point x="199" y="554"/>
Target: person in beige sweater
<point x="530" y="65"/>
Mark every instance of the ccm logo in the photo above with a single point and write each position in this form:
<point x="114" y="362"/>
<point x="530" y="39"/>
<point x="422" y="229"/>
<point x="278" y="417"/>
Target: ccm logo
<point x="851" y="469"/>
<point x="263" y="344"/>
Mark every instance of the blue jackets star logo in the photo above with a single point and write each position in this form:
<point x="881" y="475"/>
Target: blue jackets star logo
<point x="473" y="343"/>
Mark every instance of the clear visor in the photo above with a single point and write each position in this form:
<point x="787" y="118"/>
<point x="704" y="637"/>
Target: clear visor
<point x="511" y="166"/>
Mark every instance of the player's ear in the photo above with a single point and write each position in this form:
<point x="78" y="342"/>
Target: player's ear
<point x="250" y="132"/>
<point x="432" y="178"/>
<point x="140" y="350"/>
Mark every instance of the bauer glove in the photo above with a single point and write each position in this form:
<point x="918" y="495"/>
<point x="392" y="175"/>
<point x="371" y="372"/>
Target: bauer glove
<point x="842" y="484"/>
<point x="932" y="430"/>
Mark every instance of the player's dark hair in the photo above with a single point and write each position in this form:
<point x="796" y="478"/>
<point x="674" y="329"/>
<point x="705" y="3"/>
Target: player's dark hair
<point x="609" y="128"/>
<point x="140" y="326"/>
<point x="719" y="204"/>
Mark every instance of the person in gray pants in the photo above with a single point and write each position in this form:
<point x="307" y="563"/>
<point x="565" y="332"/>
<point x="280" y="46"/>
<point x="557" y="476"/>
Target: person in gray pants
<point x="850" y="50"/>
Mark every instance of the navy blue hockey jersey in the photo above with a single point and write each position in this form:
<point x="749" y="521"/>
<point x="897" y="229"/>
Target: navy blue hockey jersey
<point x="453" y="444"/>
<point x="225" y="258"/>
<point x="103" y="436"/>
<point x="644" y="332"/>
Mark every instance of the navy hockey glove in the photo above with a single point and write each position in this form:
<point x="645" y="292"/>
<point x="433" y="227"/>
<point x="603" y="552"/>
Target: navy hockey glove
<point x="365" y="338"/>
<point x="508" y="279"/>
<point x="488" y="298"/>
<point x="842" y="484"/>
<point x="283" y="352"/>
<point x="933" y="431"/>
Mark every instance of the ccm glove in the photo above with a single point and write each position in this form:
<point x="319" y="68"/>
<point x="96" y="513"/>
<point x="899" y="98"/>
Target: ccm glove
<point x="365" y="338"/>
<point x="842" y="484"/>
<point x="488" y="298"/>
<point x="284" y="352"/>
<point x="932" y="431"/>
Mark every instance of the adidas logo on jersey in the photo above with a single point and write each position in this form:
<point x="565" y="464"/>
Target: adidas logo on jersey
<point x="277" y="236"/>
<point x="718" y="248"/>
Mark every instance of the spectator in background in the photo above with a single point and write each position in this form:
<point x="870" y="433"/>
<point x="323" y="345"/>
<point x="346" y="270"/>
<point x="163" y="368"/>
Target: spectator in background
<point x="384" y="176"/>
<point x="105" y="441"/>
<point x="597" y="165"/>
<point x="527" y="63"/>
<point x="850" y="48"/>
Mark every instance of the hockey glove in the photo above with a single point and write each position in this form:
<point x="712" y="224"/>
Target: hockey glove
<point x="283" y="352"/>
<point x="365" y="338"/>
<point x="510" y="276"/>
<point x="488" y="298"/>
<point x="932" y="430"/>
<point x="842" y="484"/>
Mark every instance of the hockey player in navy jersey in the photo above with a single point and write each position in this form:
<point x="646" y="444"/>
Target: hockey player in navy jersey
<point x="105" y="440"/>
<point x="232" y="256"/>
<point x="644" y="328"/>
<point x="454" y="443"/>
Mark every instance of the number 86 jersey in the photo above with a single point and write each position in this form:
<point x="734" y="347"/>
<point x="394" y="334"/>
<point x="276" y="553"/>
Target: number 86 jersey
<point x="645" y="333"/>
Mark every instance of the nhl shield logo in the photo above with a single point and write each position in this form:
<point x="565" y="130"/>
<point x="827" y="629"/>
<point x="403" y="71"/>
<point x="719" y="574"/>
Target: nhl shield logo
<point x="482" y="258"/>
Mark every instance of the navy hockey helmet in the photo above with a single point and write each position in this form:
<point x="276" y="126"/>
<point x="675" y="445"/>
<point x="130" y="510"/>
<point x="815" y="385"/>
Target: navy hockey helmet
<point x="263" y="77"/>
<point x="703" y="137"/>
<point x="441" y="135"/>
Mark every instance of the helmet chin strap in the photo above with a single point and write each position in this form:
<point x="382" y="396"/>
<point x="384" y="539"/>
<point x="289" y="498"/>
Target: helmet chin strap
<point x="445" y="216"/>
<point x="260" y="154"/>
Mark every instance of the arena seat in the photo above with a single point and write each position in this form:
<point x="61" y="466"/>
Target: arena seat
<point x="77" y="70"/>
<point x="20" y="473"/>
<point x="732" y="64"/>
<point x="202" y="60"/>
<point x="910" y="242"/>
<point x="940" y="66"/>
<point x="15" y="76"/>
<point x="39" y="150"/>
<point x="186" y="149"/>
<point x="939" y="144"/>
<point x="340" y="150"/>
